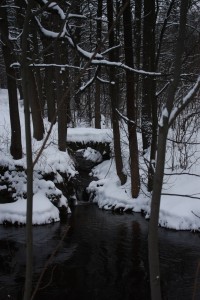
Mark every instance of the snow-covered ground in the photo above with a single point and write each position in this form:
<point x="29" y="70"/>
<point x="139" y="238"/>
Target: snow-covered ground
<point x="176" y="212"/>
<point x="51" y="160"/>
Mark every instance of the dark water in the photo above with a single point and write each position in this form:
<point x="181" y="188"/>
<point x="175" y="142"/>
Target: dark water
<point x="104" y="256"/>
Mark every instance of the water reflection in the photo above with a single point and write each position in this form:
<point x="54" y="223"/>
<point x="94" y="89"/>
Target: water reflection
<point x="104" y="256"/>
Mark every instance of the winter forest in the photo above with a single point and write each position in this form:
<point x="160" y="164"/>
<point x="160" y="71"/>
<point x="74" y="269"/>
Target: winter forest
<point x="106" y="90"/>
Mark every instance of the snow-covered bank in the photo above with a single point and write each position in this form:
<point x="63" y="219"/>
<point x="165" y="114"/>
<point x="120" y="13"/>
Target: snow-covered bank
<point x="13" y="177"/>
<point x="176" y="212"/>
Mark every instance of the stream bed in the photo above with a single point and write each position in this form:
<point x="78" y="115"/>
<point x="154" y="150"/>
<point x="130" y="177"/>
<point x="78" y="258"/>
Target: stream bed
<point x="103" y="256"/>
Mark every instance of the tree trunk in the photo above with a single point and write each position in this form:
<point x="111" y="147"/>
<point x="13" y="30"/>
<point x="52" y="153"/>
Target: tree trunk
<point x="49" y="84"/>
<point x="38" y="126"/>
<point x="61" y="103"/>
<point x="149" y="99"/>
<point x="98" y="86"/>
<point x="137" y="49"/>
<point x="37" y="71"/>
<point x="25" y="85"/>
<point x="130" y="96"/>
<point x="160" y="163"/>
<point x="16" y="146"/>
<point x="34" y="100"/>
<point x="113" y="97"/>
<point x="75" y="8"/>
<point x="97" y="104"/>
<point x="148" y="82"/>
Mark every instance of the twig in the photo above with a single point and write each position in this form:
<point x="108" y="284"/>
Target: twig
<point x="181" y="173"/>
<point x="195" y="214"/>
<point x="180" y="195"/>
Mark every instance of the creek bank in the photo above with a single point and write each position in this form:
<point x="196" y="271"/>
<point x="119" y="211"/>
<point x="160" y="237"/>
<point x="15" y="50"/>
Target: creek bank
<point x="56" y="187"/>
<point x="61" y="188"/>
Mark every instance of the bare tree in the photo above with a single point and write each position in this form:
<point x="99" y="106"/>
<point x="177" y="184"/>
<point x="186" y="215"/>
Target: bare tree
<point x="167" y="117"/>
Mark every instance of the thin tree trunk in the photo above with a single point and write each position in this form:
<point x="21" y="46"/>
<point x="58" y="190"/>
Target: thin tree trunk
<point x="38" y="126"/>
<point x="148" y="84"/>
<point x="97" y="104"/>
<point x="113" y="97"/>
<point x="49" y="85"/>
<point x="75" y="8"/>
<point x="61" y="105"/>
<point x="130" y="96"/>
<point x="37" y="71"/>
<point x="160" y="163"/>
<point x="25" y="84"/>
<point x="137" y="56"/>
<point x="97" y="83"/>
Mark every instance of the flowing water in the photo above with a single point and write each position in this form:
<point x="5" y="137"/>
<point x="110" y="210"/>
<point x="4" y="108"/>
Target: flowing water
<point x="103" y="256"/>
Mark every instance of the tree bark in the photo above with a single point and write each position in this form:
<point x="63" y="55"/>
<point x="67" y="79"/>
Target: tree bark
<point x="49" y="84"/>
<point x="29" y="212"/>
<point x="130" y="98"/>
<point x="160" y="163"/>
<point x="113" y="97"/>
<point x="148" y="82"/>
<point x="15" y="146"/>
<point x="38" y="126"/>
<point x="61" y="103"/>
<point x="97" y="83"/>
<point x="37" y="71"/>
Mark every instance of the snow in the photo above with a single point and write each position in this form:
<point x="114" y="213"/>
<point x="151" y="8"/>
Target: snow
<point x="54" y="6"/>
<point x="49" y="33"/>
<point x="45" y="192"/>
<point x="105" y="62"/>
<point x="177" y="211"/>
<point x="177" y="109"/>
<point x="165" y="115"/>
<point x="85" y="135"/>
<point x="44" y="211"/>
<point x="91" y="154"/>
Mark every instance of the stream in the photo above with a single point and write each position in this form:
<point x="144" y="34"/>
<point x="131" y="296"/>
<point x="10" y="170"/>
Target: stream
<point x="103" y="256"/>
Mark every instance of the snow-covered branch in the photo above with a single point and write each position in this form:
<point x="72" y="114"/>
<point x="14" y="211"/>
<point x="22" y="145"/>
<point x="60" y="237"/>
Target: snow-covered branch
<point x="76" y="16"/>
<point x="94" y="57"/>
<point x="55" y="6"/>
<point x="89" y="82"/>
<point x="50" y="33"/>
<point x="50" y="65"/>
<point x="103" y="80"/>
<point x="163" y="89"/>
<point x="110" y="49"/>
<point x="105" y="62"/>
<point x="185" y="101"/>
<point x="127" y="120"/>
<point x="181" y="195"/>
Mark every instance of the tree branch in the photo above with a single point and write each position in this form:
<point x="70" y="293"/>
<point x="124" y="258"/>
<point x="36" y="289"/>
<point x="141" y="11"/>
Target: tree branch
<point x="180" y="195"/>
<point x="186" y="100"/>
